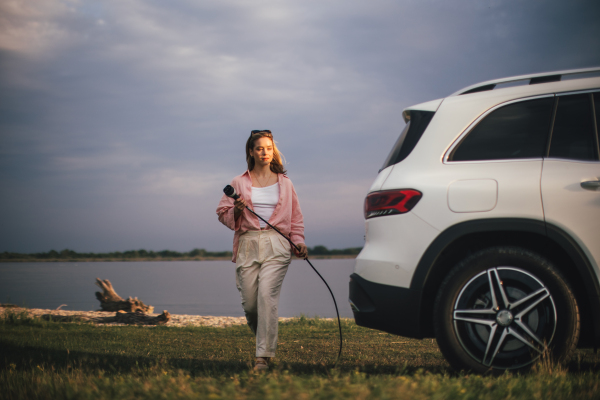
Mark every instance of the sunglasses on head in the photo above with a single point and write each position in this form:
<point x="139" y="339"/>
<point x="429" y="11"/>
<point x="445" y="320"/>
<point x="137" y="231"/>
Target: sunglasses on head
<point x="260" y="131"/>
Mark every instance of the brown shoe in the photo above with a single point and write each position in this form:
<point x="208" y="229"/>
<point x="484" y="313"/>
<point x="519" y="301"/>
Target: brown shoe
<point x="261" y="364"/>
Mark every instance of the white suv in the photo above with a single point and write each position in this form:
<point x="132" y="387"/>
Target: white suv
<point x="483" y="226"/>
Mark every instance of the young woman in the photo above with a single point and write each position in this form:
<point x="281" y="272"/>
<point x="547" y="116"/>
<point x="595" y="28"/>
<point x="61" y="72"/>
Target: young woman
<point x="261" y="255"/>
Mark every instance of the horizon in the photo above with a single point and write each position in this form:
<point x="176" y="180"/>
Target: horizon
<point x="314" y="248"/>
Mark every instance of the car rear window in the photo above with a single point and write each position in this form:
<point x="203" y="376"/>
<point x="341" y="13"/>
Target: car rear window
<point x="574" y="133"/>
<point x="412" y="132"/>
<point x="517" y="130"/>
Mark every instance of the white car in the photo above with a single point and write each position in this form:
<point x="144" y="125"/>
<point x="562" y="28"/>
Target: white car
<point x="483" y="226"/>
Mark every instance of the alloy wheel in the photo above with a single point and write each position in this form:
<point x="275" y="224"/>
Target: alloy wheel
<point x="504" y="318"/>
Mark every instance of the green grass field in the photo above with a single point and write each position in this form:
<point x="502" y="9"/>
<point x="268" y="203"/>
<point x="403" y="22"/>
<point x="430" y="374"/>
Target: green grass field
<point x="52" y="360"/>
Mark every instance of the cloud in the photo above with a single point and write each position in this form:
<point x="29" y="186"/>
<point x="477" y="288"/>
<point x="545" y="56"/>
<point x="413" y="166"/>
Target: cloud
<point x="32" y="27"/>
<point x="126" y="118"/>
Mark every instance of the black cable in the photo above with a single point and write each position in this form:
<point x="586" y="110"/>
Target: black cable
<point x="323" y="279"/>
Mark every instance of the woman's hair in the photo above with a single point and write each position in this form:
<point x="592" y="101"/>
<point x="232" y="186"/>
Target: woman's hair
<point x="276" y="163"/>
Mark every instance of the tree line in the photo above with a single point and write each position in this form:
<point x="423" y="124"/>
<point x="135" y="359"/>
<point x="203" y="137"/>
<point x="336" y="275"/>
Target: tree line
<point x="142" y="254"/>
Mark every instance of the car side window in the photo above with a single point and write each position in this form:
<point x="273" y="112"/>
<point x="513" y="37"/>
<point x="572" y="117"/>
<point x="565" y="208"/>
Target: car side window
<point x="597" y="103"/>
<point x="517" y="130"/>
<point x="574" y="134"/>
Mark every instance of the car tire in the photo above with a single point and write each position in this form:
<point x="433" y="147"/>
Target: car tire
<point x="503" y="308"/>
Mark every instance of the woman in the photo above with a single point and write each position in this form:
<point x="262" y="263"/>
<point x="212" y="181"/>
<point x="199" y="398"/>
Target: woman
<point x="261" y="255"/>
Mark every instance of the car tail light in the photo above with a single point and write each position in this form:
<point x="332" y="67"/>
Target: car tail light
<point x="389" y="202"/>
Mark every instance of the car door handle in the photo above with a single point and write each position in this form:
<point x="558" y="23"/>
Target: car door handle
<point x="590" y="185"/>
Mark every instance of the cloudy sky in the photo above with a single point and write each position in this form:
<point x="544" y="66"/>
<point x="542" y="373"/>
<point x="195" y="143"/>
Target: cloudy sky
<point x="121" y="121"/>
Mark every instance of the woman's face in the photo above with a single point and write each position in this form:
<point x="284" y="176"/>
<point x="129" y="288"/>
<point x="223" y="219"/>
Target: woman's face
<point x="262" y="151"/>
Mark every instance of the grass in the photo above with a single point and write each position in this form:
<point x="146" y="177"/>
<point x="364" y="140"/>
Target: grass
<point x="51" y="360"/>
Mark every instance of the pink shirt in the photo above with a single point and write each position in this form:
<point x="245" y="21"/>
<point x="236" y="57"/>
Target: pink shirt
<point x="287" y="216"/>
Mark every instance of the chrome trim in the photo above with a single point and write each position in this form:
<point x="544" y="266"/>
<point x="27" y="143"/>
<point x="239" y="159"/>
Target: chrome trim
<point x="472" y="125"/>
<point x="577" y="92"/>
<point x="572" y="160"/>
<point x="503" y="160"/>
<point x="353" y="306"/>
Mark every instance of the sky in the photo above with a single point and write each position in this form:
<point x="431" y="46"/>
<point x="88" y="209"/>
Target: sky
<point x="121" y="121"/>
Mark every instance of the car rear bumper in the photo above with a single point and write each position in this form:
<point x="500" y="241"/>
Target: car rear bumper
<point x="387" y="308"/>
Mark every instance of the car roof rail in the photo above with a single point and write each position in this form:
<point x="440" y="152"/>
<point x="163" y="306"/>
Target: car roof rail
<point x="533" y="79"/>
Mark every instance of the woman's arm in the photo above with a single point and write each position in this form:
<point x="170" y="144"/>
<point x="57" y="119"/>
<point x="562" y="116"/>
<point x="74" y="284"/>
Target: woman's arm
<point x="229" y="213"/>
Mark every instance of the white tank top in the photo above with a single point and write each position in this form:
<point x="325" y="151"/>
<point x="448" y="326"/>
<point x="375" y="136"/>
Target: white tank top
<point x="264" y="201"/>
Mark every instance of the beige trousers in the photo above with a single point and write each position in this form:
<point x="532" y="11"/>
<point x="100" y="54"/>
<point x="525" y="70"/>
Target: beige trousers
<point x="262" y="262"/>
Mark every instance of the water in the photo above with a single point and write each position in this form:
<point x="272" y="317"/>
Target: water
<point x="181" y="287"/>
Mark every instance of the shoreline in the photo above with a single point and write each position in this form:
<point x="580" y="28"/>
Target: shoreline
<point x="55" y="260"/>
<point x="102" y="318"/>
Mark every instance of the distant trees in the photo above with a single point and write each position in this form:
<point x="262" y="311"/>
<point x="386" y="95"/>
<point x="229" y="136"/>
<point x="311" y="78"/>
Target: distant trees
<point x="143" y="254"/>
<point x="323" y="251"/>
<point x="70" y="255"/>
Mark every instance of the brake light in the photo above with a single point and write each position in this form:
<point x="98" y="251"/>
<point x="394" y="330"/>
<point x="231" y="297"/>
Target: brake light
<point x="389" y="202"/>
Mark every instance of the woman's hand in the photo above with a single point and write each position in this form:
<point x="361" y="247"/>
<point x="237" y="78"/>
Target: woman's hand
<point x="303" y="252"/>
<point x="239" y="205"/>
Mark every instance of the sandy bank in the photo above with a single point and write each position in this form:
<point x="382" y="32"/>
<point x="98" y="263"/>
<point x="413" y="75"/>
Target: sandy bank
<point x="104" y="318"/>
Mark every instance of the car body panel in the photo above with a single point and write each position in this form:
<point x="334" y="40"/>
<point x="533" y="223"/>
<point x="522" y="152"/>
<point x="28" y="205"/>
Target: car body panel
<point x="384" y="260"/>
<point x="381" y="177"/>
<point x="571" y="207"/>
<point x="472" y="195"/>
<point x="516" y="198"/>
<point x="432" y="105"/>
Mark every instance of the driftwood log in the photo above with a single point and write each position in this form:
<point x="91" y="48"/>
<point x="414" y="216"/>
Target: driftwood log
<point x="111" y="301"/>
<point x="139" y="318"/>
<point x="122" y="317"/>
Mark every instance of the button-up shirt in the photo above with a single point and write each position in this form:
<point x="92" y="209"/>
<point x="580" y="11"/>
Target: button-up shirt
<point x="287" y="216"/>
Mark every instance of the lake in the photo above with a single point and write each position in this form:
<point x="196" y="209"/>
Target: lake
<point x="180" y="287"/>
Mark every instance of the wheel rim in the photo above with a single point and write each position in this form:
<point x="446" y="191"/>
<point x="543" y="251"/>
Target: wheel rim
<point x="504" y="318"/>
